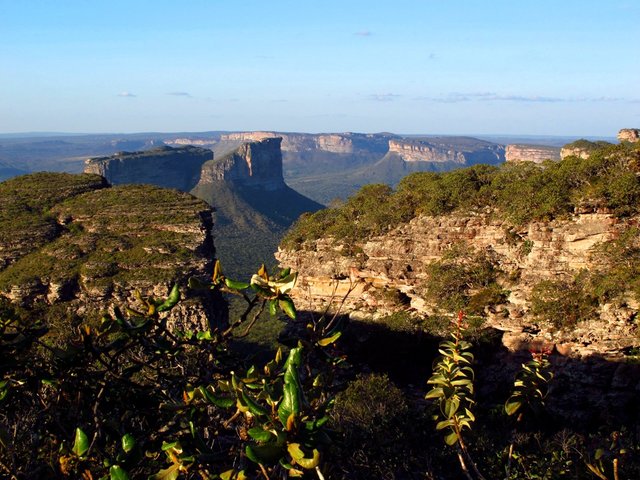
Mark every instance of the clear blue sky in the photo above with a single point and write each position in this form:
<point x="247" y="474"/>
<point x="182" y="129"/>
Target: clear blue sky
<point x="561" y="67"/>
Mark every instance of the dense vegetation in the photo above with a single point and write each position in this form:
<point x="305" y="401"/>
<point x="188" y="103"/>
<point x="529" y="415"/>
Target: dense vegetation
<point x="129" y="398"/>
<point x="518" y="192"/>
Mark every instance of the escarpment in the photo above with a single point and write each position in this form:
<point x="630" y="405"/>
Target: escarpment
<point x="531" y="153"/>
<point x="254" y="164"/>
<point x="96" y="246"/>
<point x="168" y="167"/>
<point x="543" y="258"/>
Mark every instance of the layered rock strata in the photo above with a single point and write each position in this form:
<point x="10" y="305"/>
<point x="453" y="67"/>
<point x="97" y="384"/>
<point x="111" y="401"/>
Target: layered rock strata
<point x="531" y="153"/>
<point x="398" y="261"/>
<point x="258" y="163"/>
<point x="168" y="167"/>
<point x="629" y="135"/>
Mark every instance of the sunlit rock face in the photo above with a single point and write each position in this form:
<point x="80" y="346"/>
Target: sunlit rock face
<point x="629" y="135"/>
<point x="531" y="153"/>
<point x="258" y="163"/>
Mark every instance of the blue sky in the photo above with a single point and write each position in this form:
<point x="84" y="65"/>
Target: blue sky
<point x="562" y="67"/>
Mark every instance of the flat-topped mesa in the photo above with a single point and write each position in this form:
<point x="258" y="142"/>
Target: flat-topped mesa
<point x="298" y="142"/>
<point x="629" y="135"/>
<point x="254" y="164"/>
<point x="531" y="153"/>
<point x="168" y="167"/>
<point x="421" y="151"/>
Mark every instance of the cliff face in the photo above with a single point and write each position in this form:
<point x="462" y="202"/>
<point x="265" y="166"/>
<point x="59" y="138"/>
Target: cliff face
<point x="399" y="260"/>
<point x="451" y="150"/>
<point x="343" y="143"/>
<point x="258" y="163"/>
<point x="168" y="167"/>
<point x="416" y="151"/>
<point x="629" y="135"/>
<point x="252" y="202"/>
<point x="574" y="152"/>
<point x="531" y="153"/>
<point x="99" y="245"/>
<point x="390" y="273"/>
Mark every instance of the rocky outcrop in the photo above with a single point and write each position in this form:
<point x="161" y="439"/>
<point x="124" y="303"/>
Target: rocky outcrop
<point x="419" y="151"/>
<point x="299" y="143"/>
<point x="455" y="151"/>
<point x="399" y="260"/>
<point x="629" y="135"/>
<point x="389" y="274"/>
<point x="103" y="244"/>
<point x="168" y="167"/>
<point x="531" y="153"/>
<point x="574" y="152"/>
<point x="258" y="163"/>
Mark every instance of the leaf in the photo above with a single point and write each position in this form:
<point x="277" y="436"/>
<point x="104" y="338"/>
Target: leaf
<point x="171" y="301"/>
<point x="262" y="272"/>
<point x="329" y="340"/>
<point x="451" y="439"/>
<point x="444" y="424"/>
<point x="287" y="306"/>
<point x="128" y="442"/>
<point x="512" y="406"/>
<point x="299" y="457"/>
<point x="170" y="473"/>
<point x="235" y="285"/>
<point x="80" y="444"/>
<point x="255" y="408"/>
<point x="205" y="335"/>
<point x="260" y="435"/>
<point x="264" y="453"/>
<point x="117" y="473"/>
<point x="273" y="308"/>
<point x="292" y="390"/>
<point x="217" y="271"/>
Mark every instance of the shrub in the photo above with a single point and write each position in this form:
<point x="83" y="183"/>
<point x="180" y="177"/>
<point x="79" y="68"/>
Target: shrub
<point x="563" y="303"/>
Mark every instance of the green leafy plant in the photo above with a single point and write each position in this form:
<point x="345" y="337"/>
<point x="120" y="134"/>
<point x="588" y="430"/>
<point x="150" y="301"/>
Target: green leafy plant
<point x="452" y="390"/>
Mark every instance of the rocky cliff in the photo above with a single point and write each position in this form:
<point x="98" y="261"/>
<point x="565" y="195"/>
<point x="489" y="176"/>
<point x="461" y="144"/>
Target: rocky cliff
<point x="168" y="167"/>
<point x="629" y="135"/>
<point x="420" y="151"/>
<point x="257" y="164"/>
<point x="252" y="202"/>
<point x="72" y="247"/>
<point x="531" y="153"/>
<point x="342" y="143"/>
<point x="392" y="273"/>
<point x="399" y="262"/>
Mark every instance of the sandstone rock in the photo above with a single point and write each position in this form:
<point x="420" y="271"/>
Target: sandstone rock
<point x="531" y="153"/>
<point x="399" y="259"/>
<point x="239" y="167"/>
<point x="165" y="167"/>
<point x="629" y="135"/>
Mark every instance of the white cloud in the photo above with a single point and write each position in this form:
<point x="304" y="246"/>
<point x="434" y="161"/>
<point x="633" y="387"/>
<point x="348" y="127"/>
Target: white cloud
<point x="126" y="94"/>
<point x="384" y="97"/>
<point x="363" y="33"/>
<point x="179" y="94"/>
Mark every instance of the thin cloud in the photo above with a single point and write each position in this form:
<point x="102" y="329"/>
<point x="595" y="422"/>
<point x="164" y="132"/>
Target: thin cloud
<point x="384" y="97"/>
<point x="127" y="94"/>
<point x="179" y="94"/>
<point x="363" y="33"/>
<point x="457" y="97"/>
